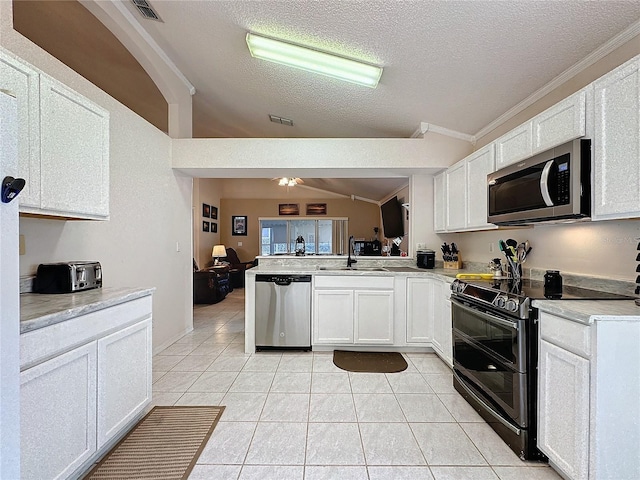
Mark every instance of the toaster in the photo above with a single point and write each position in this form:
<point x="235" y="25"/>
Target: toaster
<point x="67" y="277"/>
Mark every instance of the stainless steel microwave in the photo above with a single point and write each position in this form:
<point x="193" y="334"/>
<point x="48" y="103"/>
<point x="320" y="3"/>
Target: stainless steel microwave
<point x="552" y="185"/>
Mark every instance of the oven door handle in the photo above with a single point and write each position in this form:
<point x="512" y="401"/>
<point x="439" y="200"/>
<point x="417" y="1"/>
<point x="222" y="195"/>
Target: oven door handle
<point x="487" y="407"/>
<point x="544" y="184"/>
<point x="500" y="321"/>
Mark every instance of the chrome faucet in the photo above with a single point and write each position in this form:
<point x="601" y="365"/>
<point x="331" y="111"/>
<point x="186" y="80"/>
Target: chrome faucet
<point x="350" y="261"/>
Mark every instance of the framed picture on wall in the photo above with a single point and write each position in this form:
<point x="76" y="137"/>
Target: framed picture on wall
<point x="214" y="212"/>
<point x="288" y="209"/>
<point x="206" y="211"/>
<point x="239" y="225"/>
<point x="214" y="227"/>
<point x="316" y="208"/>
<point x="205" y="226"/>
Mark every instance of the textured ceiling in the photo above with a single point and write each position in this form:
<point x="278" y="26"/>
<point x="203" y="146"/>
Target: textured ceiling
<point x="456" y="64"/>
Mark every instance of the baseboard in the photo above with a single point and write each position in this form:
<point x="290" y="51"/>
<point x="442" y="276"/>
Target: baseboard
<point x="172" y="340"/>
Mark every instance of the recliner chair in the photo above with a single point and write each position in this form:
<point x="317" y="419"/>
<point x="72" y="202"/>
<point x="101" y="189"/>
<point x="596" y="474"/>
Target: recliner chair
<point x="237" y="268"/>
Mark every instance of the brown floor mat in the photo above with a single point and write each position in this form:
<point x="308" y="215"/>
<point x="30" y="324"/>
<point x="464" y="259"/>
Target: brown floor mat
<point x="372" y="362"/>
<point x="165" y="445"/>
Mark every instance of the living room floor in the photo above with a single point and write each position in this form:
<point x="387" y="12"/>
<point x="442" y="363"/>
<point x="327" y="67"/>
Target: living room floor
<point x="298" y="416"/>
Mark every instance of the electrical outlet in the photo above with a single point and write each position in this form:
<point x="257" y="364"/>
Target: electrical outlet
<point x="239" y="244"/>
<point x="421" y="246"/>
<point x="491" y="247"/>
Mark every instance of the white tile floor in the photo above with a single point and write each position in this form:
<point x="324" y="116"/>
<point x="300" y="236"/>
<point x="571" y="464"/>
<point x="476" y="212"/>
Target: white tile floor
<point x="297" y="416"/>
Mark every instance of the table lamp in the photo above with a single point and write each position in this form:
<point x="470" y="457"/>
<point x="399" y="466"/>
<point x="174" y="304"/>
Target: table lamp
<point x="218" y="251"/>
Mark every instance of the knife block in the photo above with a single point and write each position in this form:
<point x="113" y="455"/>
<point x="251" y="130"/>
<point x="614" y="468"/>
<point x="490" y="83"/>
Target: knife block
<point x="457" y="265"/>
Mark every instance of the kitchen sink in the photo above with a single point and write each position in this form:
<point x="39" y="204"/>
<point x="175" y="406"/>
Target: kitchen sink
<point x="361" y="269"/>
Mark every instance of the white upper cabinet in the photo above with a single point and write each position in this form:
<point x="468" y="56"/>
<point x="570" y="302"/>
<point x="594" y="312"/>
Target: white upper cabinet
<point x="456" y="188"/>
<point x="460" y="193"/>
<point x="439" y="202"/>
<point x="63" y="145"/>
<point x="479" y="165"/>
<point x="74" y="153"/>
<point x="23" y="82"/>
<point x="563" y="122"/>
<point x="616" y="144"/>
<point x="514" y="145"/>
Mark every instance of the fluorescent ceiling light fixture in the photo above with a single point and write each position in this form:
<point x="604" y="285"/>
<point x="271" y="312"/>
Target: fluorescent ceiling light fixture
<point x="315" y="61"/>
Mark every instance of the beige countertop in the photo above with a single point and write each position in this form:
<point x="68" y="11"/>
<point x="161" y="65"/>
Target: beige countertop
<point x="41" y="310"/>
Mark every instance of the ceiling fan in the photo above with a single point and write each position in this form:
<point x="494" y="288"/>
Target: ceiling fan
<point x="288" y="181"/>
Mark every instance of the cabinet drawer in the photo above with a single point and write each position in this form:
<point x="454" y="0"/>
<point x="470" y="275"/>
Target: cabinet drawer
<point x="44" y="343"/>
<point x="335" y="281"/>
<point x="566" y="334"/>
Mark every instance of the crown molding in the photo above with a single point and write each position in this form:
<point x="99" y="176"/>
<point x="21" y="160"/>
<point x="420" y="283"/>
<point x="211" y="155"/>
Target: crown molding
<point x="599" y="53"/>
<point x="430" y="127"/>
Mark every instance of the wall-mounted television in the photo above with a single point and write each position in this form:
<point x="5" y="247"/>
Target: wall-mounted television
<point x="392" y="224"/>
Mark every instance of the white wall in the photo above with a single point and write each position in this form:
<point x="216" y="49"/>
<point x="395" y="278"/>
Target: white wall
<point x="606" y="249"/>
<point x="205" y="190"/>
<point x="150" y="209"/>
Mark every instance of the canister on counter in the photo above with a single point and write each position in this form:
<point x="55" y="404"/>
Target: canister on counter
<point x="426" y="258"/>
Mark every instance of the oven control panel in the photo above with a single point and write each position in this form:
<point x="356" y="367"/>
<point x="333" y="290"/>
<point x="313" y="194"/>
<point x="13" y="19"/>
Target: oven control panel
<point x="492" y="297"/>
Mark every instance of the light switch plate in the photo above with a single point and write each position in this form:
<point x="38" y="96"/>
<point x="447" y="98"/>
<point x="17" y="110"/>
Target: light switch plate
<point x="239" y="244"/>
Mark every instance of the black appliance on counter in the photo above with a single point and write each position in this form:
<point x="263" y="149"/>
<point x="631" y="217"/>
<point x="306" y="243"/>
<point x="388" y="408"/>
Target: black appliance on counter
<point x="426" y="258"/>
<point x="495" y="353"/>
<point x="67" y="277"/>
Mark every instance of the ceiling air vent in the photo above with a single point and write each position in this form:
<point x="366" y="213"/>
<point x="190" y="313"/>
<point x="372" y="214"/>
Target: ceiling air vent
<point x="146" y="10"/>
<point x="283" y="121"/>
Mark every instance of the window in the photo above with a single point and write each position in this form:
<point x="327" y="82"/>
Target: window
<point x="321" y="237"/>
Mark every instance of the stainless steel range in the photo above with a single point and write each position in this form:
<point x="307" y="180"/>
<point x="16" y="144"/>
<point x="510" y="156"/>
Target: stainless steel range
<point x="496" y="355"/>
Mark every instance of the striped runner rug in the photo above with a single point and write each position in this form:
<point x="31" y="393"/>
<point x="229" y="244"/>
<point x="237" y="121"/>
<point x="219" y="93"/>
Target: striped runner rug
<point x="164" y="445"/>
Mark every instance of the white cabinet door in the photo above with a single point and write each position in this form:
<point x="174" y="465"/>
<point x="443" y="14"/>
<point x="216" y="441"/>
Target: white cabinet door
<point x="439" y="202"/>
<point x="443" y="329"/>
<point x="124" y="378"/>
<point x="333" y="316"/>
<point x="420" y="309"/>
<point x="456" y="188"/>
<point x="74" y="153"/>
<point x="23" y="82"/>
<point x="514" y="146"/>
<point x="616" y="144"/>
<point x="563" y="409"/>
<point x="563" y="122"/>
<point x="58" y="414"/>
<point x="373" y="317"/>
<point x="479" y="165"/>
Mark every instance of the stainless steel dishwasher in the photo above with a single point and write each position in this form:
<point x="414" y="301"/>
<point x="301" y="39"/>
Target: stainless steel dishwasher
<point x="283" y="312"/>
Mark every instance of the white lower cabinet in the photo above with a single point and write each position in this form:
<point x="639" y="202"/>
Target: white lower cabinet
<point x="58" y="414"/>
<point x="563" y="426"/>
<point x="420" y="309"/>
<point x="76" y="401"/>
<point x="442" y="327"/>
<point x="333" y="316"/>
<point x="373" y="317"/>
<point x="124" y="378"/>
<point x="588" y="390"/>
<point x="353" y="310"/>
